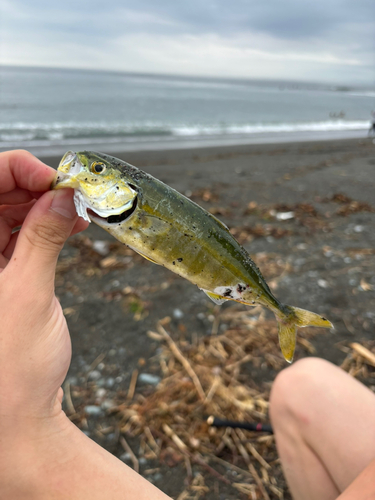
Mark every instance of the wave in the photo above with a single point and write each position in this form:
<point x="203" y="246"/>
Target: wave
<point x="21" y="132"/>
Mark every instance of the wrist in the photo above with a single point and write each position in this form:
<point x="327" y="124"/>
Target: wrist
<point x="27" y="446"/>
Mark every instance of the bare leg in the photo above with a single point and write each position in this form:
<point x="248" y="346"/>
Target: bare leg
<point x="324" y="422"/>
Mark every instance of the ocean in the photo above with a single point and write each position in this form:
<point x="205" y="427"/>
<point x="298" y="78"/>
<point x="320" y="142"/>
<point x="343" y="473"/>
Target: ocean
<point x="49" y="111"/>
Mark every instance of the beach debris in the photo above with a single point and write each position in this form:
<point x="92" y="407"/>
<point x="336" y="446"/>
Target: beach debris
<point x="360" y="359"/>
<point x="204" y="376"/>
<point x="366" y="287"/>
<point x="364" y="353"/>
<point x="350" y="206"/>
<point x="285" y="215"/>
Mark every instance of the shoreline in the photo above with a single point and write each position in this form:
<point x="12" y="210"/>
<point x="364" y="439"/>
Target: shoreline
<point x="150" y="144"/>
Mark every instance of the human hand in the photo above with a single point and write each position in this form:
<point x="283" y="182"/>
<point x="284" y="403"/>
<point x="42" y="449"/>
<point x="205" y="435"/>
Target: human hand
<point x="35" y="344"/>
<point x="42" y="454"/>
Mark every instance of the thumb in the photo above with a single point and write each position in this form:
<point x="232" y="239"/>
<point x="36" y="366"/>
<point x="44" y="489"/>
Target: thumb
<point x="42" y="236"/>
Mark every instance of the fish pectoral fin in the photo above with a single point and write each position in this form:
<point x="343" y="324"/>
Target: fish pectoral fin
<point x="144" y="256"/>
<point x="218" y="299"/>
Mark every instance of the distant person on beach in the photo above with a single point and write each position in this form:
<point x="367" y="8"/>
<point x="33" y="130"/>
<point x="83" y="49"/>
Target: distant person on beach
<point x="324" y="420"/>
<point x="372" y="126"/>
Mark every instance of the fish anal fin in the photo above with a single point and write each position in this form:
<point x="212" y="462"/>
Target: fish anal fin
<point x="218" y="299"/>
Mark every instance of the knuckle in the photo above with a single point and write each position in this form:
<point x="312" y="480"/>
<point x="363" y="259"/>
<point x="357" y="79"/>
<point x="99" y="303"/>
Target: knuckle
<point x="46" y="236"/>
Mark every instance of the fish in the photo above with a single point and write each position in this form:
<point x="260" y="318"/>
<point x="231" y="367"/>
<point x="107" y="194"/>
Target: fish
<point x="169" y="229"/>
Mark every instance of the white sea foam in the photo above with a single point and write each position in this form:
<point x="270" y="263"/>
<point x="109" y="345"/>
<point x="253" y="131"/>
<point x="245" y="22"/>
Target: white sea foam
<point x="56" y="132"/>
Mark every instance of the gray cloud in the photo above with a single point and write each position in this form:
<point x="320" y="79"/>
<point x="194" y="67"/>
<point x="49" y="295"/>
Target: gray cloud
<point x="340" y="29"/>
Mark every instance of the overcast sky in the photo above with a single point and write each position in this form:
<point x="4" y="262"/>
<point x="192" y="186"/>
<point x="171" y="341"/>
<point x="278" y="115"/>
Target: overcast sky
<point x="310" y="40"/>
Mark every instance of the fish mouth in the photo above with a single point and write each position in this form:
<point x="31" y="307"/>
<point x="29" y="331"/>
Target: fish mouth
<point x="113" y="219"/>
<point x="70" y="166"/>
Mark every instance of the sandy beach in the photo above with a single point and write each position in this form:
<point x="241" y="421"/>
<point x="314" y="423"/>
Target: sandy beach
<point x="305" y="211"/>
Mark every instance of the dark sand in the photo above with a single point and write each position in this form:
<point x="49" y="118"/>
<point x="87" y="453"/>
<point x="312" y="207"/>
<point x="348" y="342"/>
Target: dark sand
<point x="331" y="264"/>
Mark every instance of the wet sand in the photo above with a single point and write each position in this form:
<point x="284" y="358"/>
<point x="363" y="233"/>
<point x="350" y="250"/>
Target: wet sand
<point x="326" y="247"/>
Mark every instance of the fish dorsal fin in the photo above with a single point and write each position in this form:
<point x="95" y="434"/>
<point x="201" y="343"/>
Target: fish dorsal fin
<point x="218" y="299"/>
<point x="220" y="222"/>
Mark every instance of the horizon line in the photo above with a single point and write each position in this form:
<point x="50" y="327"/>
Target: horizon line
<point x="335" y="85"/>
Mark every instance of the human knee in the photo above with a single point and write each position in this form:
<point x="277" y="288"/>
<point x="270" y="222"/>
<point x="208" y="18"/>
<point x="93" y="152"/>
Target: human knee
<point x="296" y="389"/>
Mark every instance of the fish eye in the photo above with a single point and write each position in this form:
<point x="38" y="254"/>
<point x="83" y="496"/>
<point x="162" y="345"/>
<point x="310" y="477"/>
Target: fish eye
<point x="98" y="167"/>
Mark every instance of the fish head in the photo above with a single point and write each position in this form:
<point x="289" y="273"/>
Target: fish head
<point x="102" y="192"/>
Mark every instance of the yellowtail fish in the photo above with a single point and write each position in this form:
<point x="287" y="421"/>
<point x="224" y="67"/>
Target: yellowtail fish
<point x="168" y="229"/>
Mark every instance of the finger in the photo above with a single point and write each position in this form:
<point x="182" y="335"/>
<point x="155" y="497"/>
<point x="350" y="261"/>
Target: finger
<point x="42" y="236"/>
<point x="15" y="197"/>
<point x="15" y="215"/>
<point x="9" y="249"/>
<point x="3" y="262"/>
<point x="20" y="169"/>
<point x="80" y="225"/>
<point x="5" y="234"/>
<point x="11" y="217"/>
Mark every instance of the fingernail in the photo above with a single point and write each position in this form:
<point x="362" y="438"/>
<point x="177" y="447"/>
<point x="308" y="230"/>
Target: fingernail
<point x="63" y="204"/>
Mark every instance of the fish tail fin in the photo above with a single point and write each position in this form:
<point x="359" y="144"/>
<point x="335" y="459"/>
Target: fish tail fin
<point x="288" y="328"/>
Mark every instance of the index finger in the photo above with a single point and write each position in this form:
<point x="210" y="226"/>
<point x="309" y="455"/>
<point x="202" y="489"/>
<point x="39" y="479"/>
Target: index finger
<point x="20" y="169"/>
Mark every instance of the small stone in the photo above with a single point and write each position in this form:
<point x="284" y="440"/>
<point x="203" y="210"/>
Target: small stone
<point x="178" y="314"/>
<point x="100" y="393"/>
<point x="118" y="380"/>
<point x="323" y="283"/>
<point x="101" y="247"/>
<point x="347" y="260"/>
<point x="201" y="315"/>
<point x="125" y="456"/>
<point x="93" y="411"/>
<point x="100" y="366"/>
<point x="149" y="378"/>
<point x="107" y="404"/>
<point x="111" y="352"/>
<point x="358" y="229"/>
<point x="94" y="375"/>
<point x="110" y="382"/>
